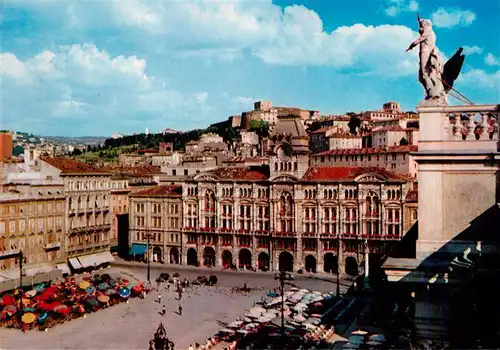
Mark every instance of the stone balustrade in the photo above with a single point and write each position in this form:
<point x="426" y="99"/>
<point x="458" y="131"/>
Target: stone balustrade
<point x="474" y="126"/>
<point x="456" y="128"/>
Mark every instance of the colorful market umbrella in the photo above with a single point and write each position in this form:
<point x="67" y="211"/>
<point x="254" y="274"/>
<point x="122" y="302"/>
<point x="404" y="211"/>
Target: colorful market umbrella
<point x="79" y="309"/>
<point x="103" y="298"/>
<point x="39" y="287"/>
<point x="84" y="284"/>
<point x="62" y="309"/>
<point x="43" y="317"/>
<point x="124" y="292"/>
<point x="91" y="302"/>
<point x="110" y="292"/>
<point x="28" y="318"/>
<point x="29" y="309"/>
<point x="11" y="310"/>
<point x="103" y="286"/>
<point x="112" y="283"/>
<point x="8" y="300"/>
<point x="90" y="290"/>
<point x="31" y="293"/>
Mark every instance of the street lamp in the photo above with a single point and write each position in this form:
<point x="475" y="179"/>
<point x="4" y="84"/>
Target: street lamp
<point x="21" y="260"/>
<point x="338" y="265"/>
<point x="282" y="276"/>
<point x="148" y="235"/>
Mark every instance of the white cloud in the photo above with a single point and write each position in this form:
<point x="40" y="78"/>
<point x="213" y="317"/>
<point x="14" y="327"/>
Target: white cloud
<point x="244" y="101"/>
<point x="492" y="60"/>
<point x="482" y="80"/>
<point x="292" y="35"/>
<point x="201" y="97"/>
<point x="396" y="7"/>
<point x="86" y="82"/>
<point x="449" y="18"/>
<point x="470" y="50"/>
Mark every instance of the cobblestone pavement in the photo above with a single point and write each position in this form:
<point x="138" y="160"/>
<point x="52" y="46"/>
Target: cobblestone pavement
<point x="131" y="326"/>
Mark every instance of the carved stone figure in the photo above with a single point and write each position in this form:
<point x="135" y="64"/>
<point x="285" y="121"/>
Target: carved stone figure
<point x="436" y="78"/>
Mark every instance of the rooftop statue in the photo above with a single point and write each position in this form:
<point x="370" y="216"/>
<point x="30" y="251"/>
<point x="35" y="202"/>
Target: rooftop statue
<point x="436" y="78"/>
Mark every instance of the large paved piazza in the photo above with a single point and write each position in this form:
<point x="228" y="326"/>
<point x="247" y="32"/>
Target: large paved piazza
<point x="131" y="326"/>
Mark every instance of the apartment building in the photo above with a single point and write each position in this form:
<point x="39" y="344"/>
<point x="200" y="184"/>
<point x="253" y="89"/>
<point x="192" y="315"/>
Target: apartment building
<point x="156" y="213"/>
<point x="398" y="159"/>
<point x="87" y="219"/>
<point x="31" y="222"/>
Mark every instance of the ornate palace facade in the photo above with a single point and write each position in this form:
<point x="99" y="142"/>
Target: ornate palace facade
<point x="242" y="216"/>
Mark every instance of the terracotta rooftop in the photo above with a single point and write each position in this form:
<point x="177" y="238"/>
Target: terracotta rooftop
<point x="363" y="151"/>
<point x="245" y="159"/>
<point x="147" y="151"/>
<point x="340" y="135"/>
<point x="71" y="166"/>
<point x="347" y="173"/>
<point x="160" y="191"/>
<point x="252" y="173"/>
<point x="392" y="128"/>
<point x="322" y="130"/>
<point x="143" y="170"/>
<point x="412" y="196"/>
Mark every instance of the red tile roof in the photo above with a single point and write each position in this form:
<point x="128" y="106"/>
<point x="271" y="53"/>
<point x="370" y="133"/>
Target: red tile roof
<point x="147" y="151"/>
<point x="143" y="170"/>
<point x="340" y="135"/>
<point x="322" y="130"/>
<point x="347" y="173"/>
<point x="71" y="166"/>
<point x="392" y="128"/>
<point x="252" y="173"/>
<point x="160" y="191"/>
<point x="363" y="151"/>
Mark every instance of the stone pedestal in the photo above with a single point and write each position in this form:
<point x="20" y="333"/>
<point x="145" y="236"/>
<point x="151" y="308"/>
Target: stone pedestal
<point x="458" y="178"/>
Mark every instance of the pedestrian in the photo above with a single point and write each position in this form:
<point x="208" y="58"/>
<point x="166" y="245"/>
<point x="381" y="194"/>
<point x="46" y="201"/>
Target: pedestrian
<point x="190" y="347"/>
<point x="159" y="298"/>
<point x="164" y="310"/>
<point x="168" y="286"/>
<point x="180" y="309"/>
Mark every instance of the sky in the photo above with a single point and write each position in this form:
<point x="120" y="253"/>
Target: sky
<point x="96" y="67"/>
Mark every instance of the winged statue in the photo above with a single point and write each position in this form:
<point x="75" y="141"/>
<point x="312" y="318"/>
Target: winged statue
<point x="436" y="78"/>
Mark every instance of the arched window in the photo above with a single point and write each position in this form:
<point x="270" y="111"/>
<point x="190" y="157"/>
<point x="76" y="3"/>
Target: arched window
<point x="209" y="200"/>
<point x="276" y="166"/>
<point x="369" y="206"/>
<point x="286" y="212"/>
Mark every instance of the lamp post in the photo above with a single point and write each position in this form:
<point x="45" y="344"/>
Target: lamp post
<point x="338" y="265"/>
<point x="148" y="235"/>
<point x="282" y="277"/>
<point x="21" y="274"/>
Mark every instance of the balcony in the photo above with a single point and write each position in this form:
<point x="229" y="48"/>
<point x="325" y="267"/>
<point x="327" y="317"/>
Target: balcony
<point x="329" y="235"/>
<point x="243" y="231"/>
<point x="309" y="234"/>
<point x="261" y="232"/>
<point x="284" y="234"/>
<point x="54" y="245"/>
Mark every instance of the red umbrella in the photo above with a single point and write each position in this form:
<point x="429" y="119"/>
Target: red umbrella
<point x="62" y="309"/>
<point x="8" y="300"/>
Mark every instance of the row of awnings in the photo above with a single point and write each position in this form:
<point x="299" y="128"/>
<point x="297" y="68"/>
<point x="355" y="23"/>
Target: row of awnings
<point x="138" y="249"/>
<point x="90" y="260"/>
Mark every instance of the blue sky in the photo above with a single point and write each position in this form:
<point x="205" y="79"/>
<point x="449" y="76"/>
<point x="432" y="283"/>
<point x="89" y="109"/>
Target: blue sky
<point x="77" y="68"/>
